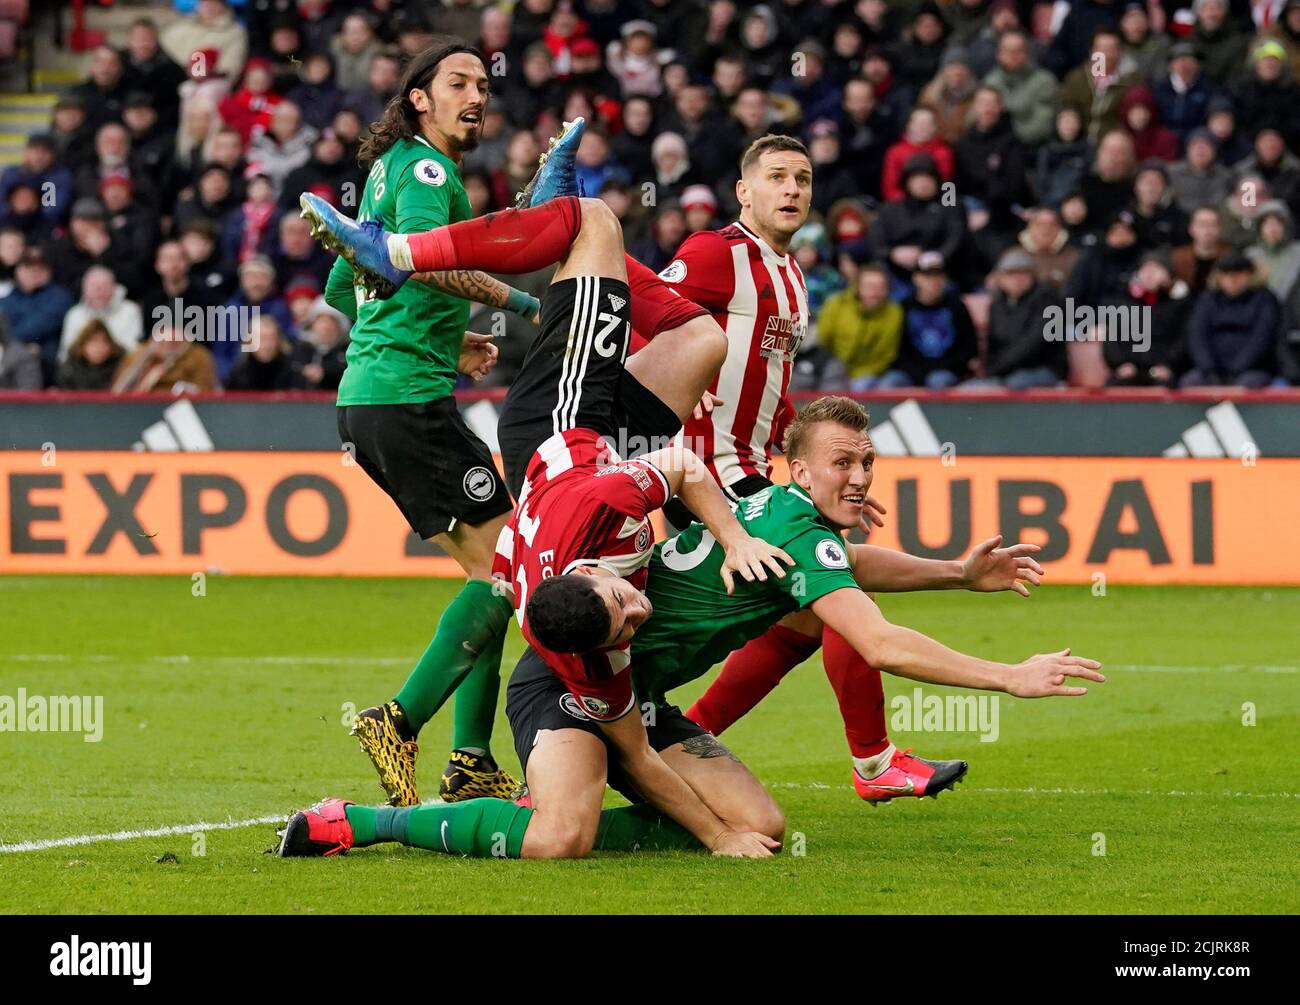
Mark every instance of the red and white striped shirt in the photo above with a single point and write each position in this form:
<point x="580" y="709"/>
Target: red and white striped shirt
<point x="760" y="300"/>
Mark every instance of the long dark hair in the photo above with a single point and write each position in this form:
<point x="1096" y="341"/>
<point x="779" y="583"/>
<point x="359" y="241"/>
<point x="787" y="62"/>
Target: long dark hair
<point x="400" y="120"/>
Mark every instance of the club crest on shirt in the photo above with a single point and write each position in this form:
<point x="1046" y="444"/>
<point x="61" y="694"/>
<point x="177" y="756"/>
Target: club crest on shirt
<point x="675" y="271"/>
<point x="430" y="172"/>
<point x="831" y="555"/>
<point x="643" y="538"/>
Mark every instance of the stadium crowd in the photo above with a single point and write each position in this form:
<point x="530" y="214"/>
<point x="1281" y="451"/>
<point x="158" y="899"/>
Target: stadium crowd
<point x="978" y="166"/>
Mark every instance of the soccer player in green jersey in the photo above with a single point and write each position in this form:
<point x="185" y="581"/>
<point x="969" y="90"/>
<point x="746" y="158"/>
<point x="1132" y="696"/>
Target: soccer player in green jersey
<point x="397" y="417"/>
<point x="696" y="623"/>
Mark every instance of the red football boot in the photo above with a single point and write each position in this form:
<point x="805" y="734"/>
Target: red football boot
<point x="322" y="829"/>
<point x="909" y="776"/>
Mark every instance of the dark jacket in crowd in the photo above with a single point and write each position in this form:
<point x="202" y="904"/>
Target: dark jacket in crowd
<point x="1169" y="316"/>
<point x="1226" y="336"/>
<point x="930" y="226"/>
<point x="1015" y="333"/>
<point x="936" y="337"/>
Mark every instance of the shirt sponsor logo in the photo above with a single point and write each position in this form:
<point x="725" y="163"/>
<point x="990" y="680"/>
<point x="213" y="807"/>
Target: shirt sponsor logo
<point x="831" y="555"/>
<point x="430" y="172"/>
<point x="782" y="337"/>
<point x="479" y="484"/>
<point x="638" y="472"/>
<point x="675" y="271"/>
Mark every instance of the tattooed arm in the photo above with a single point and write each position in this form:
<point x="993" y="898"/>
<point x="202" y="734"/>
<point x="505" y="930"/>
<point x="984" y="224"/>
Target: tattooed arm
<point x="470" y="284"/>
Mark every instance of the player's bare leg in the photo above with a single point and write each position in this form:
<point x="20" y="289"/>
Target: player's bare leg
<point x="566" y="783"/>
<point x="726" y="786"/>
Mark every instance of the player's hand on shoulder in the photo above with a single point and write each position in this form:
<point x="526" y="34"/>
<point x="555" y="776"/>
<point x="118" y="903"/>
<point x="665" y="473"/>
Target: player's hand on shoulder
<point x="1045" y="674"/>
<point x="989" y="568"/>
<point x="744" y="844"/>
<point x="752" y="557"/>
<point x="478" y="355"/>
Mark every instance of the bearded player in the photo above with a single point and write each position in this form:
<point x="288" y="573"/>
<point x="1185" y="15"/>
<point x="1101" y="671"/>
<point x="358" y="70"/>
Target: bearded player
<point x="580" y="508"/>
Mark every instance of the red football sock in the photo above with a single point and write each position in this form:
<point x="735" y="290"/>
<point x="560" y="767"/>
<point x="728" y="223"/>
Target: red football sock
<point x="511" y="241"/>
<point x="749" y="675"/>
<point x="860" y="693"/>
<point x="656" y="306"/>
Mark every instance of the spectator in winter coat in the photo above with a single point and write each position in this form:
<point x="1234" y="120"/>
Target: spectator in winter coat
<point x="92" y="360"/>
<point x="1194" y="262"/>
<point x="1029" y="92"/>
<point x="35" y="308"/>
<point x="212" y="28"/>
<point x="102" y="299"/>
<point x="920" y="137"/>
<point x="938" y="347"/>
<point x="1147" y="49"/>
<point x="1160" y="223"/>
<point x="40" y="169"/>
<point x="248" y="110"/>
<point x="1276" y="254"/>
<point x="1048" y="246"/>
<point x="20" y="368"/>
<point x="1183" y="93"/>
<point x="1159" y="357"/>
<point x="1063" y="160"/>
<point x="862" y="327"/>
<point x="166" y="363"/>
<point x="352" y="50"/>
<point x="1018" y="356"/>
<point x="1232" y="336"/>
<point x="1141" y="117"/>
<point x="285" y="147"/>
<point x="1199" y="179"/>
<point x="919" y="222"/>
<point x="1097" y="96"/>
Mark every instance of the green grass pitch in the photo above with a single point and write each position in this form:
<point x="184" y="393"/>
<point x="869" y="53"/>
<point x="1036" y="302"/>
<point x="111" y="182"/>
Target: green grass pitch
<point x="229" y="707"/>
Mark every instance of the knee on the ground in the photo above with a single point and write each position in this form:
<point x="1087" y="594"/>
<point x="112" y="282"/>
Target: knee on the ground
<point x="567" y="838"/>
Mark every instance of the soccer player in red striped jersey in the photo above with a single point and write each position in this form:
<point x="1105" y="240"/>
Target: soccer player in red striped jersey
<point x="746" y="278"/>
<point x="581" y="511"/>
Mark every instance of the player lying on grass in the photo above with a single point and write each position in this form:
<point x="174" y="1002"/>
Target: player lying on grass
<point x="578" y="506"/>
<point x="697" y="623"/>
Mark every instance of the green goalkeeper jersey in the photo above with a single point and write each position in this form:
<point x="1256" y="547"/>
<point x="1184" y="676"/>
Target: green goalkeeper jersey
<point x="695" y="623"/>
<point x="404" y="349"/>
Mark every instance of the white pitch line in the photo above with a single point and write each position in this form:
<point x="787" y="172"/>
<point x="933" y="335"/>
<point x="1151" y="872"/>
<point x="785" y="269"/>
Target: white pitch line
<point x="80" y="839"/>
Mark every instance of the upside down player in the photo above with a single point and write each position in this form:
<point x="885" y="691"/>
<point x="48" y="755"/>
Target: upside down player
<point x="754" y="288"/>
<point x="582" y="513"/>
<point x="697" y="622"/>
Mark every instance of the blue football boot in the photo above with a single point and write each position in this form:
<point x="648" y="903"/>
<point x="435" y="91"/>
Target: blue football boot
<point x="364" y="245"/>
<point x="557" y="176"/>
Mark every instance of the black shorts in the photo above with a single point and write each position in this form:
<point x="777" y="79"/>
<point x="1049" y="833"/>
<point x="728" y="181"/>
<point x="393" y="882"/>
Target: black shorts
<point x="428" y="461"/>
<point x="680" y="517"/>
<point x="573" y="377"/>
<point x="536" y="699"/>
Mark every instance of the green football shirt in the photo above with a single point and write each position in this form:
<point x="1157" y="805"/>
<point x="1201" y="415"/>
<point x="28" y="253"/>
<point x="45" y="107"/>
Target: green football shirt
<point x="695" y="623"/>
<point x="404" y="349"/>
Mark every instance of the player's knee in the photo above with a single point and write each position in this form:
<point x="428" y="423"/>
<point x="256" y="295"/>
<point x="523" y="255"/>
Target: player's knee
<point x="566" y="838"/>
<point x="768" y="819"/>
<point x="596" y="213"/>
<point x="708" y="338"/>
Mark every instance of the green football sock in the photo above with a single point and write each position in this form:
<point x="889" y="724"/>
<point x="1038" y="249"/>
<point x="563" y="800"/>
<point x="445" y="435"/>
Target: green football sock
<point x="480" y="828"/>
<point x="476" y="701"/>
<point x="473" y="621"/>
<point x="632" y="828"/>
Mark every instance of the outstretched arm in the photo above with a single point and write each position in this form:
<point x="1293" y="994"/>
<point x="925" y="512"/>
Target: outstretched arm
<point x="988" y="568"/>
<point x="908" y="653"/>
